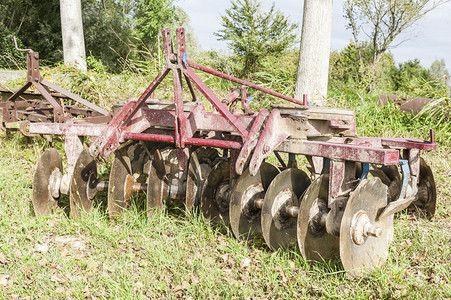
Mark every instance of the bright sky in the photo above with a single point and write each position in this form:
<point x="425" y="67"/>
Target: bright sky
<point x="428" y="39"/>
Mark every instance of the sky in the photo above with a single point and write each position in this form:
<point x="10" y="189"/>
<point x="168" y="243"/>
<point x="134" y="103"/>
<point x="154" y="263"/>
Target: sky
<point x="427" y="40"/>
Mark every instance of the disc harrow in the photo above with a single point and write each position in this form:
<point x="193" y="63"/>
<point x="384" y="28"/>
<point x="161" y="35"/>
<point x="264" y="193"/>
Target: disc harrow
<point x="178" y="152"/>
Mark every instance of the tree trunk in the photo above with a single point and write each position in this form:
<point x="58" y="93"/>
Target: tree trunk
<point x="72" y="30"/>
<point x="313" y="68"/>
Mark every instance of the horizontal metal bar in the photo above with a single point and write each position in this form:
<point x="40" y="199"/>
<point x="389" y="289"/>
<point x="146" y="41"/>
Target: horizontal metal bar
<point x="188" y="141"/>
<point x="66" y="129"/>
<point x="342" y="151"/>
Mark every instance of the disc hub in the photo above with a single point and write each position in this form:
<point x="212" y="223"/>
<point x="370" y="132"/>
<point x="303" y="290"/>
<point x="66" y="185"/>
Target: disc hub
<point x="248" y="206"/>
<point x="278" y="211"/>
<point x="361" y="228"/>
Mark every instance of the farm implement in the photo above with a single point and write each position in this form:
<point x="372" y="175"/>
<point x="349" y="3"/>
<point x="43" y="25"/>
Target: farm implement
<point x="51" y="104"/>
<point x="217" y="161"/>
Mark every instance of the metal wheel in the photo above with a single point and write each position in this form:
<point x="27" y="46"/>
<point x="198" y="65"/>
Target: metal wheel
<point x="200" y="164"/>
<point x="83" y="185"/>
<point x="46" y="182"/>
<point x="364" y="238"/>
<point x="246" y="200"/>
<point x="215" y="198"/>
<point x="314" y="241"/>
<point x="389" y="175"/>
<point x="126" y="172"/>
<point x="426" y="203"/>
<point x="281" y="206"/>
<point x="164" y="179"/>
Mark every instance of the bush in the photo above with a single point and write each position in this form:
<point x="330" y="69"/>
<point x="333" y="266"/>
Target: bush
<point x="10" y="58"/>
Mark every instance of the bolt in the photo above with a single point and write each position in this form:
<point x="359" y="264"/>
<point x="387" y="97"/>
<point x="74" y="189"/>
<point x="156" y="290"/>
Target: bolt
<point x="373" y="231"/>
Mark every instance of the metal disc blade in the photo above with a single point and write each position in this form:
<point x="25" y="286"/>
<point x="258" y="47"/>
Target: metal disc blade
<point x="120" y="168"/>
<point x="279" y="228"/>
<point x="391" y="178"/>
<point x="159" y="178"/>
<point x="200" y="164"/>
<point x="42" y="199"/>
<point x="245" y="217"/>
<point x="126" y="169"/>
<point x="83" y="184"/>
<point x="426" y="203"/>
<point x="360" y="252"/>
<point x="216" y="194"/>
<point x="314" y="241"/>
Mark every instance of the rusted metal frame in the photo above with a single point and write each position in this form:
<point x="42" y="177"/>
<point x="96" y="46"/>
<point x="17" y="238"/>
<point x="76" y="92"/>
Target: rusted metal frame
<point x="188" y="141"/>
<point x="66" y="129"/>
<point x="372" y="155"/>
<point x="94" y="120"/>
<point x="271" y="137"/>
<point x="9" y="112"/>
<point x="252" y="140"/>
<point x="31" y="116"/>
<point x="220" y="107"/>
<point x="75" y="97"/>
<point x="342" y="178"/>
<point x="235" y="94"/>
<point x="244" y="82"/>
<point x="149" y="91"/>
<point x="58" y="113"/>
<point x="400" y="143"/>
<point x="394" y="143"/>
<point x="198" y="120"/>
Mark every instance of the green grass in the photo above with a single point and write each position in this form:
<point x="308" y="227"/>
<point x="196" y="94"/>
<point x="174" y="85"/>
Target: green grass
<point x="175" y="255"/>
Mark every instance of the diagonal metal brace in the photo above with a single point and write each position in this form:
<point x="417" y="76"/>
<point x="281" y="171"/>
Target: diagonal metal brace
<point x="272" y="136"/>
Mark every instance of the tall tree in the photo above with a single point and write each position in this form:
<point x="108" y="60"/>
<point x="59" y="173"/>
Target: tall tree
<point x="253" y="33"/>
<point x="381" y="21"/>
<point x="72" y="30"/>
<point x="314" y="52"/>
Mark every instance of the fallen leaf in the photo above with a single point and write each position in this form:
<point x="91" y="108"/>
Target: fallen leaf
<point x="92" y="265"/>
<point x="3" y="259"/>
<point x="43" y="262"/>
<point x="245" y="262"/>
<point x="4" y="279"/>
<point x="57" y="278"/>
<point x="60" y="290"/>
<point x="139" y="285"/>
<point x="42" y="248"/>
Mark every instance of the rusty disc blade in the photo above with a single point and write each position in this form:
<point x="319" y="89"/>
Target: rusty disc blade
<point x="49" y="163"/>
<point x="426" y="203"/>
<point x="314" y="241"/>
<point x="278" y="227"/>
<point x="126" y="169"/>
<point x="245" y="216"/>
<point x="216" y="194"/>
<point x="389" y="176"/>
<point x="200" y="164"/>
<point x="360" y="253"/>
<point x="161" y="172"/>
<point x="83" y="184"/>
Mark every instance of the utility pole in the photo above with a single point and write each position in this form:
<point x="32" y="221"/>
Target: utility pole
<point x="72" y="30"/>
<point x="314" y="54"/>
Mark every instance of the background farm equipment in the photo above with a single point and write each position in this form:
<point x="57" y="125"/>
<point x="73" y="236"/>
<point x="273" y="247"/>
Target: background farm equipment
<point x="25" y="105"/>
<point x="178" y="152"/>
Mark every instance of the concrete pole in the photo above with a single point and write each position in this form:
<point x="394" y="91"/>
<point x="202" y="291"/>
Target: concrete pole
<point x="72" y="29"/>
<point x="313" y="68"/>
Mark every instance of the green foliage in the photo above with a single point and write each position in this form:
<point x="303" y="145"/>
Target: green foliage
<point x="410" y="78"/>
<point x="107" y="30"/>
<point x="37" y="24"/>
<point x="346" y="69"/>
<point x="9" y="56"/>
<point x="253" y="34"/>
